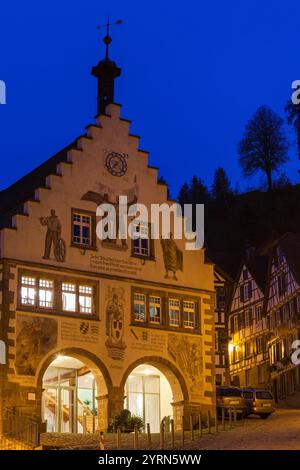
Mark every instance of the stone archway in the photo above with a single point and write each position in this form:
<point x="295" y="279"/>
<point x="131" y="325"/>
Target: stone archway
<point x="174" y="378"/>
<point x="95" y="367"/>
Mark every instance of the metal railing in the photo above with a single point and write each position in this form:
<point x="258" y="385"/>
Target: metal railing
<point x="19" y="430"/>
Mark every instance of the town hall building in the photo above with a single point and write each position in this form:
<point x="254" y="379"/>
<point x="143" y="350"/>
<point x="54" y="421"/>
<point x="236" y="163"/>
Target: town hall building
<point x="89" y="327"/>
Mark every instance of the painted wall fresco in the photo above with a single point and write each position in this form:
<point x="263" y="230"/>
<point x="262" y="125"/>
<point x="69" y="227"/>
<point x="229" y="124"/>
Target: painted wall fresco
<point x="36" y="336"/>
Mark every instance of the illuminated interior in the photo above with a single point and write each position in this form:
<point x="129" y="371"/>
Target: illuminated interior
<point x="148" y="394"/>
<point x="69" y="397"/>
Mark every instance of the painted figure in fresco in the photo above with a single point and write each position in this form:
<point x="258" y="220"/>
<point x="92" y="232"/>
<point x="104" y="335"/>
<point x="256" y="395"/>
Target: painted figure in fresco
<point x="36" y="336"/>
<point x="187" y="353"/>
<point x="53" y="237"/>
<point x="114" y="319"/>
<point x="173" y="258"/>
<point x="115" y="325"/>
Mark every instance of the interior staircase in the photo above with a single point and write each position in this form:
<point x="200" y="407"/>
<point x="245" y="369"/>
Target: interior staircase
<point x="85" y="414"/>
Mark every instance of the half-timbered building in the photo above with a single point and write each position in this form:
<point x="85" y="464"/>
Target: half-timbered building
<point x="223" y="286"/>
<point x="248" y="352"/>
<point x="283" y="314"/>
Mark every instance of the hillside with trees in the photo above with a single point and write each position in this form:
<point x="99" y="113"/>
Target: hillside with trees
<point x="235" y="221"/>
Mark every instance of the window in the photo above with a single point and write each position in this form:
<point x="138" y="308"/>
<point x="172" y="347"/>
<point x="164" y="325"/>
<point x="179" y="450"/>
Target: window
<point x="45" y="293"/>
<point x="141" y="246"/>
<point x="85" y="299"/>
<point x="247" y="394"/>
<point x="82" y="229"/>
<point x="259" y="344"/>
<point x="28" y="290"/>
<point x="139" y="307"/>
<point x="78" y="298"/>
<point x="235" y="354"/>
<point x="154" y="309"/>
<point x="57" y="294"/>
<point x="247" y="348"/>
<point x="69" y="297"/>
<point x="286" y="312"/>
<point x="220" y="297"/>
<point x="245" y="275"/>
<point x="188" y="314"/>
<point x="246" y="291"/>
<point x="236" y="323"/>
<point x="174" y="312"/>
<point x="279" y="317"/>
<point x="247" y="377"/>
<point x="247" y="318"/>
<point x="282" y="284"/>
<point x="258" y="313"/>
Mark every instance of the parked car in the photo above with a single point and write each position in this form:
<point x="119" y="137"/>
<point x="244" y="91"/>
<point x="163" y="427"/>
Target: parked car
<point x="231" y="398"/>
<point x="259" y="402"/>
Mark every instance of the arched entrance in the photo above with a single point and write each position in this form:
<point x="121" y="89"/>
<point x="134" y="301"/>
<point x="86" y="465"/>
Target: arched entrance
<point x="153" y="390"/>
<point x="73" y="388"/>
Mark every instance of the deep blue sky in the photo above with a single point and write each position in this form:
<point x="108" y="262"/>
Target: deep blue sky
<point x="193" y="73"/>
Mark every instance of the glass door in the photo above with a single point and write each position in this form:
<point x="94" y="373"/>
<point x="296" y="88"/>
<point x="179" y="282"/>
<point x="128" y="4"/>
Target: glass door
<point x="67" y="409"/>
<point x="152" y="402"/>
<point x="50" y="406"/>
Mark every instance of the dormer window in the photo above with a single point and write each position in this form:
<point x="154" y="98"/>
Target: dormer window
<point x="245" y="275"/>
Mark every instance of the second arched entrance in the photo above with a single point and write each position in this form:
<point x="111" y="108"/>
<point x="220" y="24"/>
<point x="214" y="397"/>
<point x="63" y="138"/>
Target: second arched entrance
<point x="153" y="391"/>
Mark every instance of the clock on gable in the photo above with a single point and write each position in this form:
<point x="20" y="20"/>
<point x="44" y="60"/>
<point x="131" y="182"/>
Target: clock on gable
<point x="116" y="163"/>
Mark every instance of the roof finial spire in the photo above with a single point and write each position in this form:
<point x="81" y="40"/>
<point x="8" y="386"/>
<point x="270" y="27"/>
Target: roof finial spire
<point x="107" y="39"/>
<point x="106" y="71"/>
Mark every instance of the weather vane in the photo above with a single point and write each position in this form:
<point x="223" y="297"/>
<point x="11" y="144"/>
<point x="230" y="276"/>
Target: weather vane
<point x="107" y="39"/>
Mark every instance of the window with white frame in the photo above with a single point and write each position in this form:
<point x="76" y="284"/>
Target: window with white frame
<point x="174" y="312"/>
<point x="247" y="348"/>
<point x="258" y="313"/>
<point x="247" y="318"/>
<point x="189" y="314"/>
<point x="154" y="309"/>
<point x="82" y="229"/>
<point x="45" y="293"/>
<point x="141" y="243"/>
<point x="28" y="290"/>
<point x="69" y="297"/>
<point x="85" y="297"/>
<point x="259" y="344"/>
<point x="235" y="323"/>
<point x="139" y="307"/>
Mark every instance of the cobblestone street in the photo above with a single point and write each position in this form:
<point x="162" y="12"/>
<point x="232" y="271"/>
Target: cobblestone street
<point x="279" y="431"/>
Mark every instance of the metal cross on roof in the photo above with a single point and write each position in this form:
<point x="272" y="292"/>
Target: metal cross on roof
<point x="107" y="39"/>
